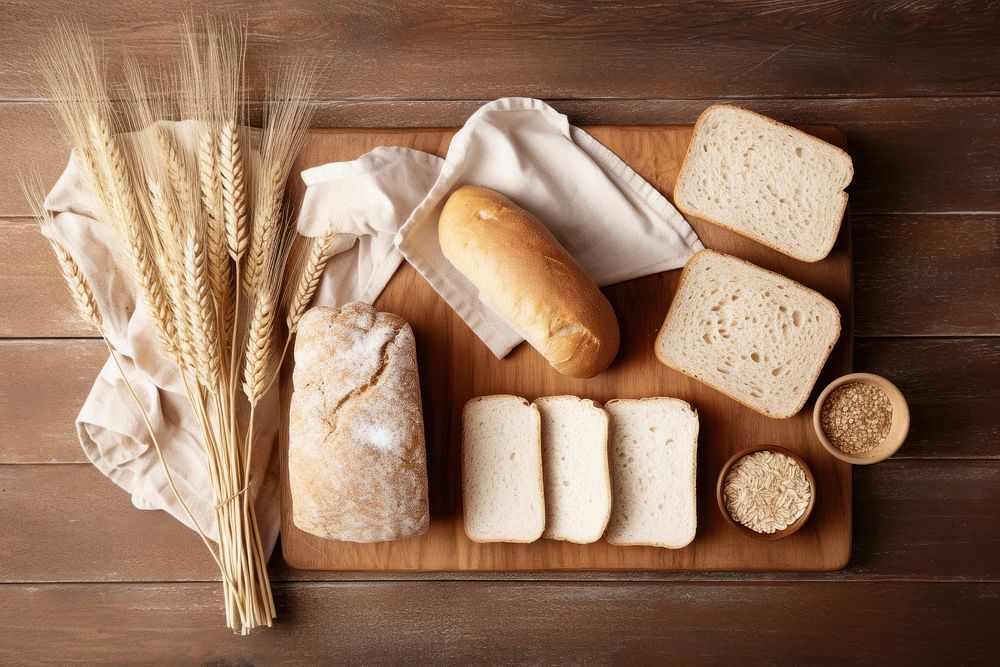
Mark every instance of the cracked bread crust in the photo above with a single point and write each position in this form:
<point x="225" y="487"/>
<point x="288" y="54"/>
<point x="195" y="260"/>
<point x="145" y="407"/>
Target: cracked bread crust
<point x="356" y="460"/>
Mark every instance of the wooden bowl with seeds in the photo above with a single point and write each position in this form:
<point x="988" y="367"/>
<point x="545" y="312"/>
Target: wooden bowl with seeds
<point x="861" y="418"/>
<point x="766" y="492"/>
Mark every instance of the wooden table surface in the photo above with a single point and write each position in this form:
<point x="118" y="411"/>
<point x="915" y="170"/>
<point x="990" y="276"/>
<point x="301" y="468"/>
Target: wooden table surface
<point x="86" y="577"/>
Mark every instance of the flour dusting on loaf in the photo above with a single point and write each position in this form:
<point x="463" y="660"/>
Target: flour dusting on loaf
<point x="356" y="459"/>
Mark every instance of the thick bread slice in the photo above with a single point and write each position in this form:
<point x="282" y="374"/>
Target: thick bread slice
<point x="770" y="182"/>
<point x="653" y="449"/>
<point x="575" y="468"/>
<point x="754" y="335"/>
<point x="502" y="490"/>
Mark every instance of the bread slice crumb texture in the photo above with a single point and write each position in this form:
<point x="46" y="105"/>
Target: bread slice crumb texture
<point x="754" y="335"/>
<point x="653" y="450"/>
<point x="575" y="468"/>
<point x="770" y="182"/>
<point x="502" y="489"/>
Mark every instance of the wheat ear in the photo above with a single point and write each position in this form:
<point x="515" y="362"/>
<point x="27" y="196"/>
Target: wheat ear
<point x="208" y="176"/>
<point x="79" y="288"/>
<point x="215" y="226"/>
<point x="201" y="309"/>
<point x="174" y="167"/>
<point x="120" y="204"/>
<point x="312" y="270"/>
<point x="234" y="196"/>
<point x="260" y="346"/>
<point x="266" y="222"/>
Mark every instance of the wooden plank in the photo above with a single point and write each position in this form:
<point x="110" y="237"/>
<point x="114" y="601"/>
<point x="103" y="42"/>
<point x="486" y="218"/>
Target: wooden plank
<point x="554" y="623"/>
<point x="435" y="50"/>
<point x="912" y="520"/>
<point x="910" y="155"/>
<point x="69" y="523"/>
<point x="927" y="275"/>
<point x="45" y="384"/>
<point x="35" y="300"/>
<point x="953" y="405"/>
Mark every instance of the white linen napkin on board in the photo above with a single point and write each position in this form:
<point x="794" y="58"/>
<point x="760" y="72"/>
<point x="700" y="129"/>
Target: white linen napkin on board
<point x="370" y="209"/>
<point x="614" y="223"/>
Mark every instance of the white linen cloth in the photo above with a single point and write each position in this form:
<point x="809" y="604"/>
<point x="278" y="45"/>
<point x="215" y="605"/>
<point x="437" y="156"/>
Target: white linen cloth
<point x="614" y="223"/>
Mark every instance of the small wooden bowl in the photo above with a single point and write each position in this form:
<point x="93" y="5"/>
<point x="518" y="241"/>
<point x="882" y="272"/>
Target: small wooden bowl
<point x="898" y="429"/>
<point x="720" y="494"/>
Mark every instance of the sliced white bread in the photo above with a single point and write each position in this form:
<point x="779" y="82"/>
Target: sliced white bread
<point x="752" y="334"/>
<point x="575" y="468"/>
<point x="502" y="491"/>
<point x="653" y="449"/>
<point x="770" y="182"/>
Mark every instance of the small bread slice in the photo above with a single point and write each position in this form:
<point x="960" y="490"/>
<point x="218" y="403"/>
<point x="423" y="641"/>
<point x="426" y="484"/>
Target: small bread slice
<point x="653" y="448"/>
<point x="575" y="468"/>
<point x="502" y="491"/>
<point x="764" y="180"/>
<point x="754" y="335"/>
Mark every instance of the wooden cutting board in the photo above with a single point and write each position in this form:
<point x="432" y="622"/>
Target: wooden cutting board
<point x="456" y="366"/>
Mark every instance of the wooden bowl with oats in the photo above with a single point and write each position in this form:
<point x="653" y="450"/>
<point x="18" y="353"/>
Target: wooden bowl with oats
<point x="861" y="418"/>
<point x="766" y="492"/>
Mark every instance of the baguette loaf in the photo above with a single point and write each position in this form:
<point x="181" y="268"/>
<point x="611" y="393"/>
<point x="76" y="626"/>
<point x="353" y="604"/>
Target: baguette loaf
<point x="653" y="447"/>
<point x="770" y="182"/>
<point x="522" y="272"/>
<point x="356" y="461"/>
<point x="754" y="335"/>
<point x="502" y="493"/>
<point x="575" y="468"/>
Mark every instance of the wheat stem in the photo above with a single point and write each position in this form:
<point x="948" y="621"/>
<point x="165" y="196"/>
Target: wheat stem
<point x="159" y="452"/>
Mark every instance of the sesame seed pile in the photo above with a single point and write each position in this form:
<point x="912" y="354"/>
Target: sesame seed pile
<point x="856" y="417"/>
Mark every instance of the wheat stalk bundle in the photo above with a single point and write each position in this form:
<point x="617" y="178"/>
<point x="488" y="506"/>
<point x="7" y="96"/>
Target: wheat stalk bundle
<point x="207" y="233"/>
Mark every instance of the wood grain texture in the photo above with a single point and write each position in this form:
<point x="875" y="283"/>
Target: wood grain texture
<point x="464" y="368"/>
<point x="437" y="50"/>
<point x="34" y="297"/>
<point x="45" y="384"/>
<point x="927" y="275"/>
<point x="511" y="623"/>
<point x="910" y="155"/>
<point x="69" y="523"/>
